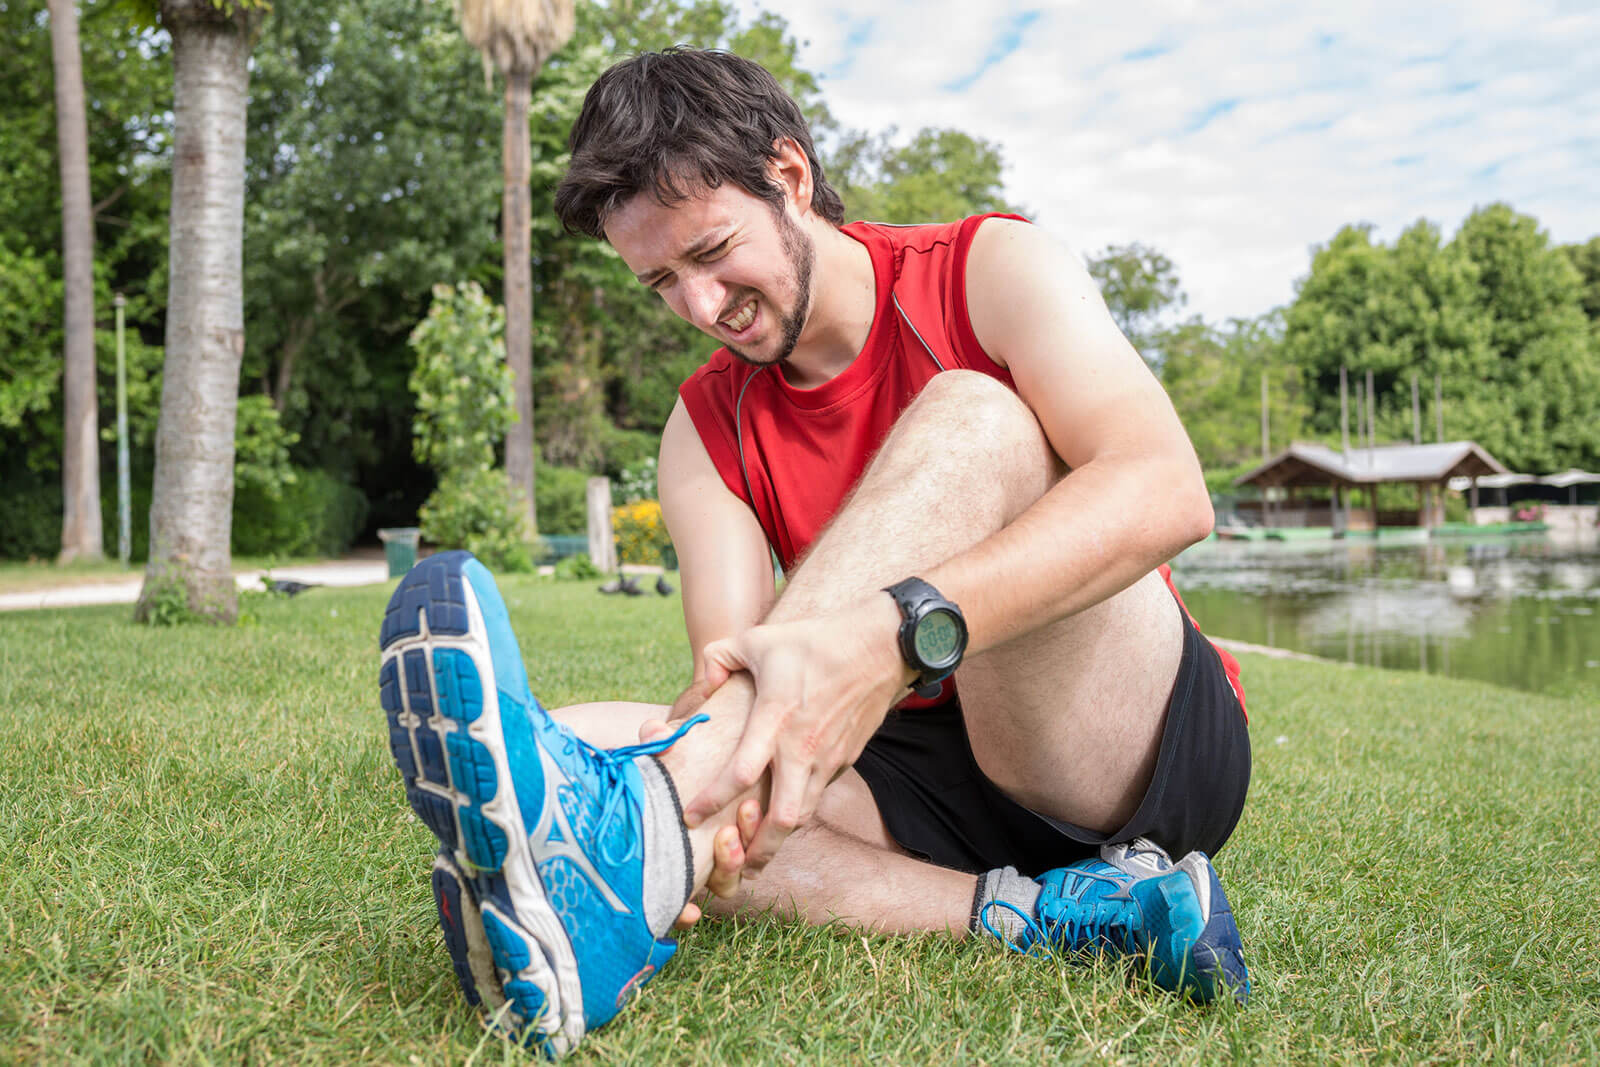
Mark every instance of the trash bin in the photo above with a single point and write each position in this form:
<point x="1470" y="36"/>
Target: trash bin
<point x="400" y="548"/>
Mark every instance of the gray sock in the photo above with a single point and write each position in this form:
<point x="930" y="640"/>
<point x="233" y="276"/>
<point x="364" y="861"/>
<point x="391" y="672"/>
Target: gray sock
<point x="1005" y="885"/>
<point x="668" y="870"/>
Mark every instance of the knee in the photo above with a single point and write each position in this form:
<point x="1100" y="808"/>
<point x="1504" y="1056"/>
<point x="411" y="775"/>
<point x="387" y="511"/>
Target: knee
<point x="979" y="426"/>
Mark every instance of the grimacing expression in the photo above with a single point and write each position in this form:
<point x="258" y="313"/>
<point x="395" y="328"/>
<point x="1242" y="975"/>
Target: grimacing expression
<point x="727" y="263"/>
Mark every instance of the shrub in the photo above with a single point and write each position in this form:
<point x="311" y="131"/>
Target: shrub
<point x="563" y="502"/>
<point x="473" y="511"/>
<point x="576" y="568"/>
<point x="314" y="514"/>
<point x="641" y="533"/>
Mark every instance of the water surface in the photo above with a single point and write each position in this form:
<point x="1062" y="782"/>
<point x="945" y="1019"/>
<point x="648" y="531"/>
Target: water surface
<point x="1518" y="611"/>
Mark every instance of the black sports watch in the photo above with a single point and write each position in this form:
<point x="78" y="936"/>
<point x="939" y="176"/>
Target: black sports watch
<point x="933" y="633"/>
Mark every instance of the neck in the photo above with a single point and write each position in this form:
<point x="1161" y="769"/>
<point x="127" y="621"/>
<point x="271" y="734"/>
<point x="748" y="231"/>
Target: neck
<point x="843" y="301"/>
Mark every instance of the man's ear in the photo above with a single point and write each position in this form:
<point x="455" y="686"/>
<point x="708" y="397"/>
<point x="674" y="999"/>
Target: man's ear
<point x="792" y="171"/>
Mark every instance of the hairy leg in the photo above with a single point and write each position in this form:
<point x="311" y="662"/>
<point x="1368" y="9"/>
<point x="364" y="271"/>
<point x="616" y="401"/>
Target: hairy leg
<point x="1067" y="719"/>
<point x="843" y="866"/>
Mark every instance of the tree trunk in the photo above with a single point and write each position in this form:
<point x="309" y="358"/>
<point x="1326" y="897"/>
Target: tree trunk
<point x="516" y="220"/>
<point x="191" y="510"/>
<point x="80" y="451"/>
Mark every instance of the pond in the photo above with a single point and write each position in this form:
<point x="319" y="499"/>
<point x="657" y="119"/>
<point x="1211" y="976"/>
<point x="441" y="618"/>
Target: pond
<point x="1517" y="611"/>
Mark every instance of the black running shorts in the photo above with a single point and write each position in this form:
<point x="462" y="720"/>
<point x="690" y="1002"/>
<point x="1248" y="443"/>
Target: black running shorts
<point x="938" y="805"/>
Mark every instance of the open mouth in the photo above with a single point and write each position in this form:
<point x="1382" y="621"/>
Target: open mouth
<point x="742" y="319"/>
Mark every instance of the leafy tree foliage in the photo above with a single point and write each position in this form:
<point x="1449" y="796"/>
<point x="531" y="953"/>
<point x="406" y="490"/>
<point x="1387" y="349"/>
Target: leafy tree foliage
<point x="1495" y="313"/>
<point x="939" y="176"/>
<point x="1585" y="258"/>
<point x="465" y="404"/>
<point x="1213" y="376"/>
<point x="1140" y="287"/>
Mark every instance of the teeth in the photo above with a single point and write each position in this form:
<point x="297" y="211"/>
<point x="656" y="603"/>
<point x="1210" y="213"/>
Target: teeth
<point x="742" y="318"/>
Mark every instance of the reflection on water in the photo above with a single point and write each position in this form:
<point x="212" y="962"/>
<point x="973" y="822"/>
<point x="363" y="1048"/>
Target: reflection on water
<point x="1516" y="611"/>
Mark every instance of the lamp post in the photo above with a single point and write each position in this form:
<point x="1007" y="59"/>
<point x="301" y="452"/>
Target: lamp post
<point x="124" y="493"/>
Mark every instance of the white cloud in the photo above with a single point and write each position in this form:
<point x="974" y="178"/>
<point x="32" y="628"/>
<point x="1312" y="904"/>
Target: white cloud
<point x="1234" y="136"/>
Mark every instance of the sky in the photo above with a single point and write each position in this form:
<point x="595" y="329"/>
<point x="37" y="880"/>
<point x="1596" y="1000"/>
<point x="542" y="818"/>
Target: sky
<point x="1235" y="135"/>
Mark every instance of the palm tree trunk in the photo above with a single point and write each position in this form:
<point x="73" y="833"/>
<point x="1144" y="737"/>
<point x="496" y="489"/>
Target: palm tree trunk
<point x="516" y="220"/>
<point x="191" y="510"/>
<point x="80" y="444"/>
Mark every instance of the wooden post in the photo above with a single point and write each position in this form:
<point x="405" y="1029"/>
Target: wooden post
<point x="1264" y="435"/>
<point x="1416" y="412"/>
<point x="602" y="541"/>
<point x="1372" y="417"/>
<point x="1344" y="412"/>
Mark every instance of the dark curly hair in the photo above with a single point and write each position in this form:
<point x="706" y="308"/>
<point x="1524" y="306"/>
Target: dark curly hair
<point x="677" y="122"/>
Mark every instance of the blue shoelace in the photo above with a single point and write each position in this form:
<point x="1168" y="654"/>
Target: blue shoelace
<point x="1107" y="922"/>
<point x="608" y="765"/>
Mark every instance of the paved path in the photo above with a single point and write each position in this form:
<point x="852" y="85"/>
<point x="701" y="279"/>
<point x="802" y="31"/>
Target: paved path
<point x="126" y="590"/>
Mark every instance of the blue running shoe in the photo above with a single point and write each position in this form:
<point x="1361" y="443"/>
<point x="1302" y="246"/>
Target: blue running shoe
<point x="541" y="871"/>
<point x="1134" y="901"/>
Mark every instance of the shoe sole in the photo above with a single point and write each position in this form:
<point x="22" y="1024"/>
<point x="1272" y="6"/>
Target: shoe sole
<point x="448" y="738"/>
<point x="1213" y="963"/>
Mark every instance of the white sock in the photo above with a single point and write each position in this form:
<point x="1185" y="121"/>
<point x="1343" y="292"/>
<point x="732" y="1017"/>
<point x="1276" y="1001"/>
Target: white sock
<point x="668" y="866"/>
<point x="1006" y="886"/>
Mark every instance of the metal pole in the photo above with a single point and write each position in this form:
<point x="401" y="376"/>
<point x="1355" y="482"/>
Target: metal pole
<point x="1265" y="437"/>
<point x="124" y="492"/>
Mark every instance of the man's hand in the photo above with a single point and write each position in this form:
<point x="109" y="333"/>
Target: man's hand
<point x="822" y="687"/>
<point x="728" y="852"/>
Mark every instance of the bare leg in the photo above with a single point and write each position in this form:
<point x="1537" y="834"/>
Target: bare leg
<point x="1068" y="719"/>
<point x="843" y="866"/>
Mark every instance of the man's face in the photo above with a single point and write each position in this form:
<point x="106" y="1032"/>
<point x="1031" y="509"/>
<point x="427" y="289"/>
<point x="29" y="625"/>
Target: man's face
<point x="725" y="262"/>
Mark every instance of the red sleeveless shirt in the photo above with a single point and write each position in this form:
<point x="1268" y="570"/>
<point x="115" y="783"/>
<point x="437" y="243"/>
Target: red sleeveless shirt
<point x="793" y="454"/>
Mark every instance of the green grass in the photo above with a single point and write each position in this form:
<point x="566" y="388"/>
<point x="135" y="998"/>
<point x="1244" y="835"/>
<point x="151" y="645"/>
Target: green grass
<point x="208" y="858"/>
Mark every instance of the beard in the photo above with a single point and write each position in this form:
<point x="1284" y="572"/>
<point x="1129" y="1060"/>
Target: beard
<point x="801" y="254"/>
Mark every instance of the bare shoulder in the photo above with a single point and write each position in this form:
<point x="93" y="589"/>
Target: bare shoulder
<point x="1037" y="312"/>
<point x="1023" y="284"/>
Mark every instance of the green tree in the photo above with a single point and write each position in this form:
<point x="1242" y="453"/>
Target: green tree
<point x="1495" y="313"/>
<point x="940" y="176"/>
<point x="465" y="402"/>
<point x="1140" y="286"/>
<point x="1585" y="258"/>
<point x="371" y="176"/>
<point x="1546" y="363"/>
<point x="80" y="454"/>
<point x="191" y="508"/>
<point x="1213" y="376"/>
<point x="517" y="36"/>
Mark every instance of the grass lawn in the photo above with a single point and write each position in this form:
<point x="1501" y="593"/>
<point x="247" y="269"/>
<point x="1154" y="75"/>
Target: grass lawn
<point x="208" y="857"/>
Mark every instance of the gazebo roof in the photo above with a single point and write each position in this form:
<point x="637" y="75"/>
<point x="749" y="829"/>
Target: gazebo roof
<point x="1318" y="465"/>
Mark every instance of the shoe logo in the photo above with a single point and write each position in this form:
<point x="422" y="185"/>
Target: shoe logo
<point x="555" y="830"/>
<point x="631" y="987"/>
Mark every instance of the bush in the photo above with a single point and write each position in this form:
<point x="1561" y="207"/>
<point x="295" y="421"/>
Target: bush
<point x="641" y="532"/>
<point x="30" y="519"/>
<point x="315" y="514"/>
<point x="576" y="568"/>
<point x="563" y="502"/>
<point x="473" y="511"/>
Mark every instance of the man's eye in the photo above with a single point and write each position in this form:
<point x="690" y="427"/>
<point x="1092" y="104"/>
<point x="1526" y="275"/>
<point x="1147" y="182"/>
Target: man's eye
<point x="715" y="252"/>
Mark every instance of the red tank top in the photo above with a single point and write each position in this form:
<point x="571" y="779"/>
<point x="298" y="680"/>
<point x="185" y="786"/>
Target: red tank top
<point x="792" y="454"/>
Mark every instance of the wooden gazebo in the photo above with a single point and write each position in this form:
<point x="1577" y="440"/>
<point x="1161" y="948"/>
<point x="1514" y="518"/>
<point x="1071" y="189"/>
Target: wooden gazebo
<point x="1428" y="467"/>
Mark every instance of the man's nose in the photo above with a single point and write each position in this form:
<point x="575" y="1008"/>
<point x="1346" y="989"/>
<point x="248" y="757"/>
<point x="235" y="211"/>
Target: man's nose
<point x="703" y="297"/>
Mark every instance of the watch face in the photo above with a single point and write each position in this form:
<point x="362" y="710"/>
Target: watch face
<point x="938" y="638"/>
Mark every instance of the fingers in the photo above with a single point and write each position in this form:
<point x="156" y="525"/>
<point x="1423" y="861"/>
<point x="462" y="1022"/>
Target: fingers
<point x="687" y="917"/>
<point x="721" y="659"/>
<point x="792" y="802"/>
<point x="728" y="857"/>
<point x="653" y="730"/>
<point x="749" y="762"/>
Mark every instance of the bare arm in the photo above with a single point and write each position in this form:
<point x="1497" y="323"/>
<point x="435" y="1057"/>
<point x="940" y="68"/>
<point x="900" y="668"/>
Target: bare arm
<point x="725" y="565"/>
<point x="1134" y="497"/>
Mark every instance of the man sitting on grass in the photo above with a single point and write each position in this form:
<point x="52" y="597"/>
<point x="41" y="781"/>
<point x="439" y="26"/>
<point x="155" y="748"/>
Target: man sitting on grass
<point x="971" y="481"/>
